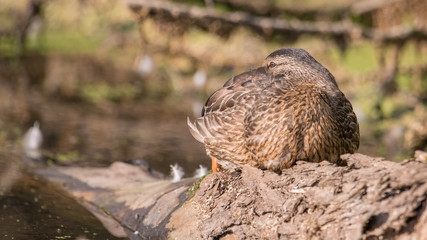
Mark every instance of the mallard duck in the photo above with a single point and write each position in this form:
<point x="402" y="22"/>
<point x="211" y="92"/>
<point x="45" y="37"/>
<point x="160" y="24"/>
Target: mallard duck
<point x="288" y="109"/>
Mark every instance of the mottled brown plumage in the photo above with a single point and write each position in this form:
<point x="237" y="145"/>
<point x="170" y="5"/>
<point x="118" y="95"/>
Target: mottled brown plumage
<point x="287" y="110"/>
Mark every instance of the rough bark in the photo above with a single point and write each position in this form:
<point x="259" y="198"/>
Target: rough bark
<point x="371" y="198"/>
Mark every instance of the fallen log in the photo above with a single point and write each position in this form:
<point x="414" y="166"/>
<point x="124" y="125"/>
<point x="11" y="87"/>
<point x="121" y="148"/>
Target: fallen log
<point x="371" y="198"/>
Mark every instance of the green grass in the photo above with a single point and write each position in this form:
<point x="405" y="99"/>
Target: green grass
<point x="404" y="81"/>
<point x="102" y="92"/>
<point x="357" y="59"/>
<point x="411" y="56"/>
<point x="64" y="42"/>
<point x="52" y="42"/>
<point x="8" y="46"/>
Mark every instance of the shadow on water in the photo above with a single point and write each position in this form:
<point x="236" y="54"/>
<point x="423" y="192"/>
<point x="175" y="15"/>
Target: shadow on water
<point x="32" y="209"/>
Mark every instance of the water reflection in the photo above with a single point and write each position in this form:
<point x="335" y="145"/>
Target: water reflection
<point x="96" y="130"/>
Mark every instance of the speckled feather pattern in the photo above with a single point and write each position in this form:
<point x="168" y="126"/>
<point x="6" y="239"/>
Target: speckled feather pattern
<point x="287" y="110"/>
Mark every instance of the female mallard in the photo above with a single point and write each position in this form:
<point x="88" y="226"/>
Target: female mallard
<point x="289" y="109"/>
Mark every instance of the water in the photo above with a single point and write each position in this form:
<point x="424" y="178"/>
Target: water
<point x="79" y="131"/>
<point x="53" y="91"/>
<point x="32" y="208"/>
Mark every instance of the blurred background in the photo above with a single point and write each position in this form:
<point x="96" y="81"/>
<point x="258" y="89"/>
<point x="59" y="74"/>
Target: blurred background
<point x="115" y="80"/>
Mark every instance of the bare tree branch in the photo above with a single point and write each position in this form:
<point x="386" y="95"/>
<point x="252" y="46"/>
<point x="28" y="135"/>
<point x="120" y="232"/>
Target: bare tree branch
<point x="264" y="8"/>
<point x="225" y="22"/>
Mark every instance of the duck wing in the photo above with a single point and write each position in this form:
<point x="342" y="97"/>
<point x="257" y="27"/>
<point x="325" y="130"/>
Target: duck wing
<point x="248" y="81"/>
<point x="221" y="127"/>
<point x="349" y="127"/>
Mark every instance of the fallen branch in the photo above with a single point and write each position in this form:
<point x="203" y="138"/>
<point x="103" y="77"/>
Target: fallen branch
<point x="268" y="9"/>
<point x="224" y="23"/>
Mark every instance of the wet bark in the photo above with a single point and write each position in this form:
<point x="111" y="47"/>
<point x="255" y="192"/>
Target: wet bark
<point x="368" y="199"/>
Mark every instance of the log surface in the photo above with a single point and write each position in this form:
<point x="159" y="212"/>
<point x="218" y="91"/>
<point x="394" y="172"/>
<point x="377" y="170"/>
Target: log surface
<point x="368" y="199"/>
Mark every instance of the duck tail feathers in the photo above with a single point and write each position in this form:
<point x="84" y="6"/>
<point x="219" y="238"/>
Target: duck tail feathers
<point x="195" y="131"/>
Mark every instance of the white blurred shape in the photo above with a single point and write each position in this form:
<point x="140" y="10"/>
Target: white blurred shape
<point x="33" y="139"/>
<point x="200" y="172"/>
<point x="199" y="78"/>
<point x="177" y="172"/>
<point x="145" y="65"/>
<point x="35" y="27"/>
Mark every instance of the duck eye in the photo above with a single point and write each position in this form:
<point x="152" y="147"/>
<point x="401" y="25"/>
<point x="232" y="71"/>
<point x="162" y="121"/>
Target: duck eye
<point x="271" y="64"/>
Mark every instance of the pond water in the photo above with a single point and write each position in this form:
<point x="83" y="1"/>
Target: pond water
<point x="81" y="129"/>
